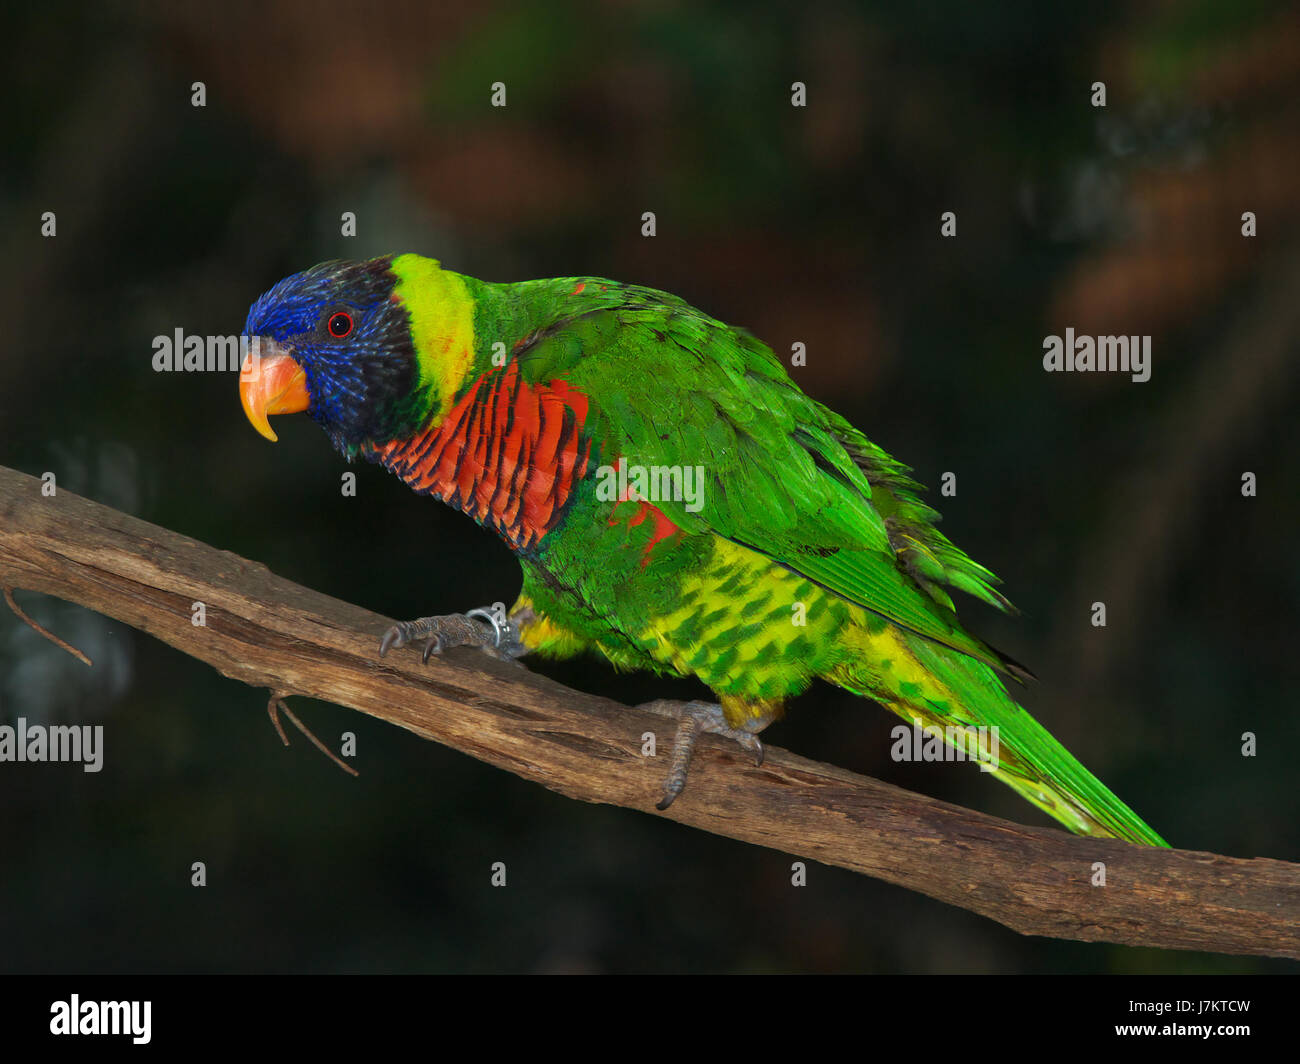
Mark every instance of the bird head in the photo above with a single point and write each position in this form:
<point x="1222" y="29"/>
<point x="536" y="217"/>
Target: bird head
<point x="340" y="341"/>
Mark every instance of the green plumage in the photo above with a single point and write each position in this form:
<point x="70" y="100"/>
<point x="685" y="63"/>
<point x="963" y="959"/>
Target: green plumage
<point x="805" y="553"/>
<point x="808" y="495"/>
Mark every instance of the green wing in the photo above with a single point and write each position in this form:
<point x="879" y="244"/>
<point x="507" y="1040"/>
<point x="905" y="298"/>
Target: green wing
<point x="783" y="475"/>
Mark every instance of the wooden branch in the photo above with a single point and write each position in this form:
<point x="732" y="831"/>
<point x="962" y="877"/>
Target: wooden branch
<point x="277" y="635"/>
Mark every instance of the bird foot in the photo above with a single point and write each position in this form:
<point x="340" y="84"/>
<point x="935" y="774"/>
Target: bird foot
<point x="693" y="720"/>
<point x="488" y="628"/>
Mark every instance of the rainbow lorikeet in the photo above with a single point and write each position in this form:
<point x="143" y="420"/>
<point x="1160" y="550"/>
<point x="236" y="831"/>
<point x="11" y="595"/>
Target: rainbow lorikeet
<point x="676" y="503"/>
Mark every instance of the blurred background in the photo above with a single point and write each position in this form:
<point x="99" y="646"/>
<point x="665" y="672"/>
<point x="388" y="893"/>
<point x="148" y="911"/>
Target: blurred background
<point x="818" y="225"/>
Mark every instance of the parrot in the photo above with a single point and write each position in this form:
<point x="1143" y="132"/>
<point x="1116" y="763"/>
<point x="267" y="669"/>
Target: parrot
<point x="676" y="502"/>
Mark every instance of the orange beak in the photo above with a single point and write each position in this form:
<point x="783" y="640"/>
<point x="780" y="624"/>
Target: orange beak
<point x="271" y="384"/>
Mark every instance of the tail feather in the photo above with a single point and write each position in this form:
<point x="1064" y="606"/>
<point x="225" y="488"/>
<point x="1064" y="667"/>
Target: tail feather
<point x="1066" y="790"/>
<point x="1031" y="761"/>
<point x="953" y="692"/>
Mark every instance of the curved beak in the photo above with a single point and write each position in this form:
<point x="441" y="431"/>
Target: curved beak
<point x="271" y="382"/>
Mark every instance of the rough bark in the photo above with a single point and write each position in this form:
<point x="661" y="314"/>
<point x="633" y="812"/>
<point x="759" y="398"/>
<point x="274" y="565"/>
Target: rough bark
<point x="274" y="634"/>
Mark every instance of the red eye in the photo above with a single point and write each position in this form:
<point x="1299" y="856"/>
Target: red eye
<point x="340" y="324"/>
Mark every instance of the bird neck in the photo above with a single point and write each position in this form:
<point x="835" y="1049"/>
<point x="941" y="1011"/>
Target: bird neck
<point x="508" y="453"/>
<point x="441" y="306"/>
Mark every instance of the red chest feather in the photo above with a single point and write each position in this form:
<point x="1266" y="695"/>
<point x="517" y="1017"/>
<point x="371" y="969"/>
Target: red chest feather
<point x="508" y="454"/>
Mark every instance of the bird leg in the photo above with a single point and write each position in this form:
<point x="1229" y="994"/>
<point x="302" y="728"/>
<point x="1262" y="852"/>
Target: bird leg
<point x="693" y="720"/>
<point x="488" y="628"/>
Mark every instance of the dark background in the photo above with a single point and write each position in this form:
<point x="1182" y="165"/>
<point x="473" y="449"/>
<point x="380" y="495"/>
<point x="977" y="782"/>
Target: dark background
<point x="818" y="225"/>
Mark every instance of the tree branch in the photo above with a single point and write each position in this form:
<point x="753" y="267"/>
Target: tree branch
<point x="277" y="635"/>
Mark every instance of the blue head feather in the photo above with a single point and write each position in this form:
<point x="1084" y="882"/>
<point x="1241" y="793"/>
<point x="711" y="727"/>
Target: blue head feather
<point x="360" y="386"/>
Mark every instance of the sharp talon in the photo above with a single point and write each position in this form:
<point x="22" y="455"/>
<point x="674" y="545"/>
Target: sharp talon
<point x="693" y="720"/>
<point x="433" y="646"/>
<point x="458" y="630"/>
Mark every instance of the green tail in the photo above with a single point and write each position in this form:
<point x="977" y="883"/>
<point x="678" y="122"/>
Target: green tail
<point x="1030" y="761"/>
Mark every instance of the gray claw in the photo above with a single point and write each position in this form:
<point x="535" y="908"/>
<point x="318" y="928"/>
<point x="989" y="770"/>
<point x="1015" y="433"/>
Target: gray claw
<point x="694" y="719"/>
<point x="394" y="637"/>
<point x="483" y="628"/>
<point x="433" y="645"/>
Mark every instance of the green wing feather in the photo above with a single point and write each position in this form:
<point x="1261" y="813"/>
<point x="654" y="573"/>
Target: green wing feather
<point x="794" y="481"/>
<point x="784" y="476"/>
